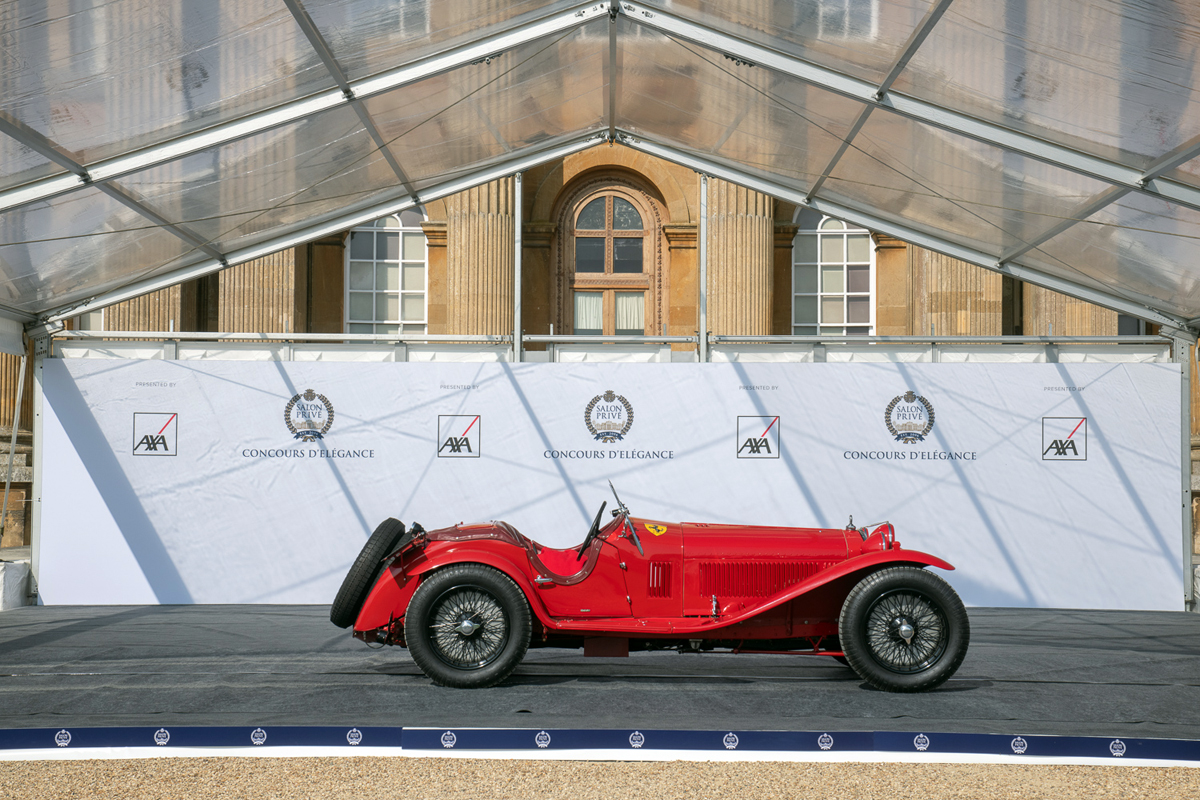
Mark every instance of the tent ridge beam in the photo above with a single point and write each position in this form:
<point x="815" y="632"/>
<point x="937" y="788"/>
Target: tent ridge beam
<point x="914" y="235"/>
<point x="295" y="110"/>
<point x="383" y="208"/>
<point x="921" y="111"/>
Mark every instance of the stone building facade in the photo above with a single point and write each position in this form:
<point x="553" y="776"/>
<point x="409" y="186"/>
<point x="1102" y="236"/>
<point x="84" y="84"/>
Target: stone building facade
<point x="609" y="245"/>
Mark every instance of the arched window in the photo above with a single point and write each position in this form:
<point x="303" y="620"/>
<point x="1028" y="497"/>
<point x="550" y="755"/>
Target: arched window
<point x="833" y="278"/>
<point x="386" y="275"/>
<point x="610" y="252"/>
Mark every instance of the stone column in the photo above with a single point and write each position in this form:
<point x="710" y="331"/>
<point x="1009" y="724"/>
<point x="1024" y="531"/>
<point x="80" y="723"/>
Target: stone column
<point x="479" y="259"/>
<point x="740" y="250"/>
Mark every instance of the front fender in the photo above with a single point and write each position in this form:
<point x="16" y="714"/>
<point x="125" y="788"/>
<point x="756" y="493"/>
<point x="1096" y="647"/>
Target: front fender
<point x="389" y="598"/>
<point x="863" y="564"/>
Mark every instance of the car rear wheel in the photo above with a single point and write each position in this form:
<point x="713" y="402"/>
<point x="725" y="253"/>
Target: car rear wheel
<point x="364" y="572"/>
<point x="904" y="630"/>
<point x="467" y="626"/>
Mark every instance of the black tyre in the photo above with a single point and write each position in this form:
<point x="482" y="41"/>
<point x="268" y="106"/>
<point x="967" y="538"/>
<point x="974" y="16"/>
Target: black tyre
<point x="467" y="626"/>
<point x="904" y="630"/>
<point x="364" y="572"/>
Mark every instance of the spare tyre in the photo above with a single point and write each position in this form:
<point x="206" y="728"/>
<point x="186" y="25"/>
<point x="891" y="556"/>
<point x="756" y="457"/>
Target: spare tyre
<point x="364" y="572"/>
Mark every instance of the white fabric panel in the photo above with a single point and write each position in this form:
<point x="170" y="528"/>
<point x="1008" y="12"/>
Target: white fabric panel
<point x="765" y="354"/>
<point x="12" y="339"/>
<point x="1010" y="354"/>
<point x="458" y="352"/>
<point x="612" y="353"/>
<point x="1111" y="354"/>
<point x="231" y="351"/>
<point x="85" y="349"/>
<point x="232" y="508"/>
<point x="907" y="354"/>
<point x="344" y="352"/>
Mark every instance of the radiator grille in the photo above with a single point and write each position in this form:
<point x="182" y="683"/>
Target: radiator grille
<point x="660" y="579"/>
<point x="753" y="578"/>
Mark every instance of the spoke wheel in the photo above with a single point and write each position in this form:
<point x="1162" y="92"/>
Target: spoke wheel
<point x="906" y="632"/>
<point x="468" y="629"/>
<point x="904" y="629"/>
<point x="467" y="626"/>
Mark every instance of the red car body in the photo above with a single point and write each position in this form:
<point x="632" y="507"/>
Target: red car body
<point x="648" y="584"/>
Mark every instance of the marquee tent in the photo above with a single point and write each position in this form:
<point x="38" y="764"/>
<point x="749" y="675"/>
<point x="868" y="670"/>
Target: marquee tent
<point x="145" y="143"/>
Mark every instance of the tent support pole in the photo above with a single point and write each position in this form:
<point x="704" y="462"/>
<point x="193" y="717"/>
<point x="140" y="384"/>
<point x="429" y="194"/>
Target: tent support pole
<point x="702" y="247"/>
<point x="1183" y="356"/>
<point x="518" y="199"/>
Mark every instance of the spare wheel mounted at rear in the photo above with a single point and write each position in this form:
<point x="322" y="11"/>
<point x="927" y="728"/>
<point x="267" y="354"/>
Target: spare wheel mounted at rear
<point x="365" y="571"/>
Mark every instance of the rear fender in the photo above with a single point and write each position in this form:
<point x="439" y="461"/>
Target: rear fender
<point x="389" y="598"/>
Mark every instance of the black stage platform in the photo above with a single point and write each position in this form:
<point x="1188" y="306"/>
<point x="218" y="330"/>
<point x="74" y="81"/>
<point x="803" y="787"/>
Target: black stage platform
<point x="1067" y="673"/>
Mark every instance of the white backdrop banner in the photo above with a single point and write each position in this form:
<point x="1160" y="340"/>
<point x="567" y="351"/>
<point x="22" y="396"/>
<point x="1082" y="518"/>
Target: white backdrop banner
<point x="1047" y="485"/>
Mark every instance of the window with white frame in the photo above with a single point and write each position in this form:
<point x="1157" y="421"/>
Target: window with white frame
<point x="849" y="19"/>
<point x="833" y="278"/>
<point x="386" y="276"/>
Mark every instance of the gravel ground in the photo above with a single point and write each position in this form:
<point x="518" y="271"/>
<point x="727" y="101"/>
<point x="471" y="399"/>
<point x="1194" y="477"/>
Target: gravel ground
<point x="418" y="778"/>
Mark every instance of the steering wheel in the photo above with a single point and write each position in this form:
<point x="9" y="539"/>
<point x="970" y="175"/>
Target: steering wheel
<point x="593" y="531"/>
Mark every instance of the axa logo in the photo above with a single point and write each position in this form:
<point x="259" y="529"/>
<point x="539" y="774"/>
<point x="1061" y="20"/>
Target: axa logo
<point x="1064" y="438"/>
<point x="758" y="437"/>
<point x="155" y="433"/>
<point x="458" y="436"/>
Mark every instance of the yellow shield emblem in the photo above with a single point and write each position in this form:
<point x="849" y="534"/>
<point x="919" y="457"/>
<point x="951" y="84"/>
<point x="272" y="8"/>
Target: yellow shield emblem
<point x="657" y="530"/>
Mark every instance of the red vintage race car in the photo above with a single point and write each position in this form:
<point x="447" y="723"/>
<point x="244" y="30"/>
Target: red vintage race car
<point x="469" y="600"/>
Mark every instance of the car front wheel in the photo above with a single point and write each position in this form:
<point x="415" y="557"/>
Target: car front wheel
<point x="904" y="629"/>
<point x="467" y="626"/>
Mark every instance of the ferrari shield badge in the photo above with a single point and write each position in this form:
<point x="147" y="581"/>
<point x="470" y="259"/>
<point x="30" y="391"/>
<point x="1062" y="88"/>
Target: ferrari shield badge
<point x="657" y="530"/>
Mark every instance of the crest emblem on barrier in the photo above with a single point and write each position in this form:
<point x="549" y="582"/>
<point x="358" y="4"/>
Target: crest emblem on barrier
<point x="62" y="738"/>
<point x="921" y="742"/>
<point x="162" y="736"/>
<point x="636" y="740"/>
<point x="354" y="736"/>
<point x="258" y="736"/>
<point x="730" y="741"/>
<point x="1117" y="748"/>
<point x="909" y="417"/>
<point x="542" y="739"/>
<point x="825" y="741"/>
<point x="449" y="739"/>
<point x="608" y="417"/>
<point x="1019" y="746"/>
<point x="309" y="416"/>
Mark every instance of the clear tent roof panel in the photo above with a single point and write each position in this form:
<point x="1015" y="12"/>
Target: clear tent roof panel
<point x="22" y="164"/>
<point x="1138" y="244"/>
<point x="275" y="179"/>
<point x="371" y="36"/>
<point x="859" y="37"/>
<point x="540" y="91"/>
<point x="1010" y="120"/>
<point x="83" y="243"/>
<point x="1116" y="78"/>
<point x="115" y="75"/>
<point x="685" y="94"/>
<point x="973" y="192"/>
